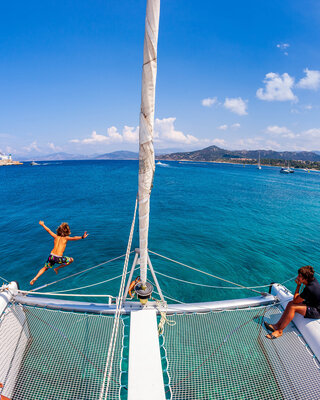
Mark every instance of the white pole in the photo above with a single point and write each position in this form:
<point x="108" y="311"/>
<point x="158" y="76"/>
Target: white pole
<point x="146" y="151"/>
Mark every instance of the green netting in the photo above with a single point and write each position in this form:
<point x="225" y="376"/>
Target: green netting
<point x="225" y="355"/>
<point x="58" y="355"/>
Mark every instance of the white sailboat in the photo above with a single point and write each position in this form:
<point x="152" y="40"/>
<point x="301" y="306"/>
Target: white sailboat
<point x="287" y="170"/>
<point x="65" y="349"/>
<point x="259" y="164"/>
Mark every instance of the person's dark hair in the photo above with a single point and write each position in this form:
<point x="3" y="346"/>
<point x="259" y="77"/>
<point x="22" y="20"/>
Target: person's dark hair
<point x="63" y="229"/>
<point x="307" y="272"/>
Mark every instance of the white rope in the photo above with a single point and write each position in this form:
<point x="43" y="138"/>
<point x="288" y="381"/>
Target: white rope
<point x="203" y="272"/>
<point x="85" y="287"/>
<point x="211" y="286"/>
<point x="170" y="298"/>
<point x="4" y="279"/>
<point x="77" y="273"/>
<point x="67" y="294"/>
<point x="111" y="349"/>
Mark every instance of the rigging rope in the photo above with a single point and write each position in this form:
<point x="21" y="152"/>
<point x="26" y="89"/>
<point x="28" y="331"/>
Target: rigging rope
<point x="4" y="279"/>
<point x="119" y="302"/>
<point x="211" y="286"/>
<point x="78" y="273"/>
<point x="67" y="294"/>
<point x="203" y="272"/>
<point x="85" y="287"/>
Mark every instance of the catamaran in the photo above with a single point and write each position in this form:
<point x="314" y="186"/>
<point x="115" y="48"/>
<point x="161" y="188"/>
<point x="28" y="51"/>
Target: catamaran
<point x="53" y="348"/>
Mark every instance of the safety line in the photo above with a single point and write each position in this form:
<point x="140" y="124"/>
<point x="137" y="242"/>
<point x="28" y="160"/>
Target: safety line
<point x="211" y="286"/>
<point x="78" y="273"/>
<point x="94" y="284"/>
<point x="203" y="272"/>
<point x="67" y="294"/>
<point x="4" y="279"/>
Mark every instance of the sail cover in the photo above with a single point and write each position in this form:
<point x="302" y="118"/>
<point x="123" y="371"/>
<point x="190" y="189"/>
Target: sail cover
<point x="146" y="151"/>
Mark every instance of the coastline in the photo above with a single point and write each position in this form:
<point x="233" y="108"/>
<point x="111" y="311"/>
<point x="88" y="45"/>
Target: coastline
<point x="6" y="162"/>
<point x="232" y="163"/>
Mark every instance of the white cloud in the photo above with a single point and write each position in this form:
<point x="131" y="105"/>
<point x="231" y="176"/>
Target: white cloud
<point x="130" y="134"/>
<point x="281" y="131"/>
<point x="113" y="135"/>
<point x="283" y="47"/>
<point x="208" y="102"/>
<point x="219" y="142"/>
<point x="224" y="127"/>
<point x="277" y="130"/>
<point x="310" y="81"/>
<point x="236" y="105"/>
<point x="278" y="88"/>
<point x="165" y="131"/>
<point x="32" y="146"/>
<point x="313" y="133"/>
<point x="53" y="147"/>
<point x="95" y="138"/>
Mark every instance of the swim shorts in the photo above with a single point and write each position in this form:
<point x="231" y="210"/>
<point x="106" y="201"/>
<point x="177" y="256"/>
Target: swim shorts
<point x="52" y="259"/>
<point x="312" y="312"/>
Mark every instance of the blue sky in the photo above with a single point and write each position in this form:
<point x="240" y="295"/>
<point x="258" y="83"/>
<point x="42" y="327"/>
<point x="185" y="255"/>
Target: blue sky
<point x="234" y="74"/>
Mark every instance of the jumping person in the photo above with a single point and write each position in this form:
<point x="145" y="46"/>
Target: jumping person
<point x="306" y="303"/>
<point x="56" y="256"/>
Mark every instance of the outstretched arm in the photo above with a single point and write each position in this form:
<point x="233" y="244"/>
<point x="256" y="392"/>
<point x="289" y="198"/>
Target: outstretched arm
<point x="47" y="229"/>
<point x="77" y="237"/>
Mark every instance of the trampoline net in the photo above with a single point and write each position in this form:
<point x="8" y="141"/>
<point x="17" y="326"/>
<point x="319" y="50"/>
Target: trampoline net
<point x="53" y="354"/>
<point x="225" y="355"/>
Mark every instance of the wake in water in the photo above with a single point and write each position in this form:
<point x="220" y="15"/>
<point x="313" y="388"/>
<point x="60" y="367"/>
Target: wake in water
<point x="162" y="164"/>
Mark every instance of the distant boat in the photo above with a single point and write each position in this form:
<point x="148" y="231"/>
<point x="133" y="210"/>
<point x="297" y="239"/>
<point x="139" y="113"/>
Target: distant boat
<point x="162" y="164"/>
<point x="287" y="170"/>
<point x="34" y="163"/>
<point x="259" y="165"/>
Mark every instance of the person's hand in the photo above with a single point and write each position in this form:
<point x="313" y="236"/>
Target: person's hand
<point x="41" y="223"/>
<point x="297" y="281"/>
<point x="85" y="235"/>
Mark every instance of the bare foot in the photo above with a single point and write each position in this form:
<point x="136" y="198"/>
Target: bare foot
<point x="32" y="282"/>
<point x="274" y="335"/>
<point x="56" y="270"/>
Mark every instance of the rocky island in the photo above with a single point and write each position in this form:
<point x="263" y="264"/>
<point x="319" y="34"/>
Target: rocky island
<point x="301" y="159"/>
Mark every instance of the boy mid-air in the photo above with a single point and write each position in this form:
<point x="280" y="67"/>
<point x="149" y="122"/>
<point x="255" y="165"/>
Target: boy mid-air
<point x="56" y="256"/>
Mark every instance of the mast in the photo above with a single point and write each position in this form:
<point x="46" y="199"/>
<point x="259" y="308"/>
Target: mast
<point x="146" y="123"/>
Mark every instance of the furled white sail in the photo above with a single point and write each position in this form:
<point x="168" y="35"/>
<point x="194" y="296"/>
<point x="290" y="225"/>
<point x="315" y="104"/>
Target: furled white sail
<point x="146" y="151"/>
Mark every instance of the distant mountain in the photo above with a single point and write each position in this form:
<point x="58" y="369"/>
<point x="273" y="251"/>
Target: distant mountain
<point x="55" y="157"/>
<point x="214" y="153"/>
<point x="119" y="155"/>
<point x="116" y="155"/>
<point x="167" y="151"/>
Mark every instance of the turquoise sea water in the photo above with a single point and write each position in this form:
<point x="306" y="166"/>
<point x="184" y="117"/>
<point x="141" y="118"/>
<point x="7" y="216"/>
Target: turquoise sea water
<point x="248" y="226"/>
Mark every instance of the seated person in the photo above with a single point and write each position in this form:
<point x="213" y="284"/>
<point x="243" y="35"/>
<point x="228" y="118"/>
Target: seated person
<point x="306" y="303"/>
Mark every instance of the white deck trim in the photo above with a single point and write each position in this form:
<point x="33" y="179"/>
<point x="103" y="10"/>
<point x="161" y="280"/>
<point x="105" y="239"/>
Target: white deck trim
<point x="145" y="378"/>
<point x="129" y="306"/>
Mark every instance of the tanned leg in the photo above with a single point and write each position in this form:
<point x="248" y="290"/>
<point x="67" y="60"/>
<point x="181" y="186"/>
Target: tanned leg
<point x="63" y="265"/>
<point x="42" y="270"/>
<point x="287" y="317"/>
